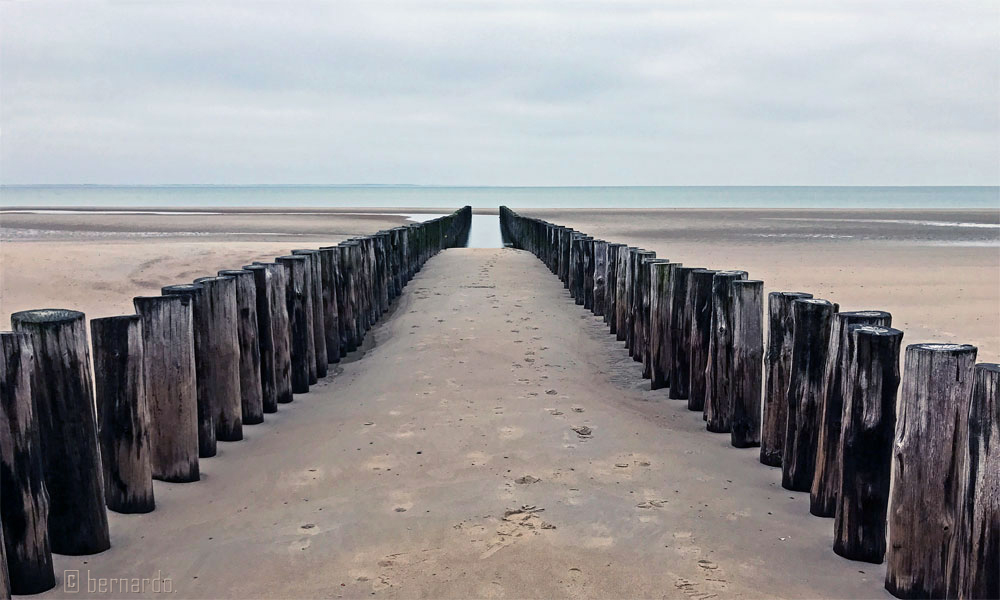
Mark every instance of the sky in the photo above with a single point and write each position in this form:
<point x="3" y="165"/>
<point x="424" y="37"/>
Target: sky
<point x="482" y="92"/>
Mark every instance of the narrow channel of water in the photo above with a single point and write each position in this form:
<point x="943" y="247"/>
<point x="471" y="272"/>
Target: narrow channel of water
<point x="484" y="232"/>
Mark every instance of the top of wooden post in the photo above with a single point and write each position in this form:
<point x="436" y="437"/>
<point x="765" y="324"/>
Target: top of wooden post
<point x="46" y="316"/>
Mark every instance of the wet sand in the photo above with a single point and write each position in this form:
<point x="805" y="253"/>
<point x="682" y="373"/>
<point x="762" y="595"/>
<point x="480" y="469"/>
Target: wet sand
<point x="444" y="464"/>
<point x="937" y="272"/>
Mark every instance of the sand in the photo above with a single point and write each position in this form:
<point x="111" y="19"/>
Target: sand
<point x="445" y="464"/>
<point x="396" y="476"/>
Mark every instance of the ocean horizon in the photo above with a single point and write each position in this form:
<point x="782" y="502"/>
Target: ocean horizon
<point x="439" y="196"/>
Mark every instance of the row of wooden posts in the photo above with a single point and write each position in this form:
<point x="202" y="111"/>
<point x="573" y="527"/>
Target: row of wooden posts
<point x="190" y="368"/>
<point x="819" y="399"/>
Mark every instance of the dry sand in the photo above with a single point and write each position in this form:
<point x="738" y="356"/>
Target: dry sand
<point x="397" y="476"/>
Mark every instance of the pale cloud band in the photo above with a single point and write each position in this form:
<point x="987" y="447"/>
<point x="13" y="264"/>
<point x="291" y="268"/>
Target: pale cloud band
<point x="501" y="93"/>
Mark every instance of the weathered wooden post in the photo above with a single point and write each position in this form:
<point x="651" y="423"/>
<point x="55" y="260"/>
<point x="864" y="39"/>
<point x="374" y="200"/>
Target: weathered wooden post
<point x="299" y="333"/>
<point x="870" y="381"/>
<point x="202" y="360"/>
<point x="622" y="300"/>
<point x="611" y="287"/>
<point x="265" y="340"/>
<point x="975" y="567"/>
<point x="640" y="337"/>
<point x="719" y="368"/>
<point x="345" y="297"/>
<point x="680" y="335"/>
<point x="309" y="316"/>
<point x="281" y="332"/>
<point x="329" y="257"/>
<point x="170" y="382"/>
<point x="576" y="268"/>
<point x="315" y="305"/>
<point x="224" y="366"/>
<point x="661" y="272"/>
<point x="748" y="361"/>
<point x="565" y="255"/>
<point x="699" y="307"/>
<point x="248" y="334"/>
<point x="826" y="481"/>
<point x="813" y="320"/>
<point x="123" y="417"/>
<point x="63" y="393"/>
<point x="588" y="273"/>
<point x="927" y="468"/>
<point x="777" y="371"/>
<point x="24" y="499"/>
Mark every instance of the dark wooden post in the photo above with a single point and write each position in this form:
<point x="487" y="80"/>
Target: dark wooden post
<point x="600" y="276"/>
<point x="927" y="469"/>
<point x="315" y="303"/>
<point x="813" y="320"/>
<point x="265" y="340"/>
<point x="281" y="332"/>
<point x="24" y="499"/>
<point x="122" y="413"/>
<point x="170" y="382"/>
<point x="345" y="300"/>
<point x="976" y="561"/>
<point x="224" y="366"/>
<point x="308" y="316"/>
<point x="328" y="259"/>
<point x="680" y="334"/>
<point x="299" y="333"/>
<point x="658" y="358"/>
<point x="699" y="307"/>
<point x="719" y="368"/>
<point x="248" y="334"/>
<point x="826" y="481"/>
<point x="63" y="394"/>
<point x="622" y="301"/>
<point x="565" y="255"/>
<point x="641" y="335"/>
<point x="611" y="287"/>
<point x="575" y="275"/>
<point x="870" y="381"/>
<point x="777" y="371"/>
<point x="748" y="361"/>
<point x="588" y="273"/>
<point x="202" y="361"/>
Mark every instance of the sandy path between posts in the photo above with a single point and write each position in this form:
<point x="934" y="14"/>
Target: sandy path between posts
<point x="392" y="478"/>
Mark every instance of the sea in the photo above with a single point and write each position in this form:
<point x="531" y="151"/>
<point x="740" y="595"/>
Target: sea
<point x="449" y="197"/>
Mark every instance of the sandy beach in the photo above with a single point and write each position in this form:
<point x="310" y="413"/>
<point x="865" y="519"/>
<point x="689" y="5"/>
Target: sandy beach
<point x="444" y="464"/>
<point x="441" y="460"/>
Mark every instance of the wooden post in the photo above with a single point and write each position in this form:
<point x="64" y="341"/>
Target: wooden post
<point x="622" y="300"/>
<point x="329" y="257"/>
<point x="24" y="499"/>
<point x="170" y="381"/>
<point x="63" y="393"/>
<point x="748" y="362"/>
<point x="927" y="468"/>
<point x="611" y="288"/>
<point x="308" y="317"/>
<point x="870" y="381"/>
<point x="224" y="366"/>
<point x="680" y="335"/>
<point x="565" y="255"/>
<point x="295" y="297"/>
<point x="812" y="322"/>
<point x="976" y="560"/>
<point x="826" y="481"/>
<point x="122" y="413"/>
<point x="281" y="331"/>
<point x="345" y="298"/>
<point x="719" y="368"/>
<point x="699" y="307"/>
<point x="641" y="335"/>
<point x="588" y="273"/>
<point x="658" y="357"/>
<point x="777" y="371"/>
<point x="202" y="360"/>
<point x="576" y="268"/>
<point x="248" y="334"/>
<point x="315" y="304"/>
<point x="265" y="340"/>
<point x="600" y="276"/>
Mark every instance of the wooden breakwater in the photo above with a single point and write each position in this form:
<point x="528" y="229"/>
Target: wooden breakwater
<point x="820" y="399"/>
<point x="188" y="370"/>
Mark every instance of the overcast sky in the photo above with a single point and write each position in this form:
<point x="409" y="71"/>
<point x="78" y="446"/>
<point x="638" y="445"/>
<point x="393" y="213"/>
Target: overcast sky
<point x="538" y="92"/>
